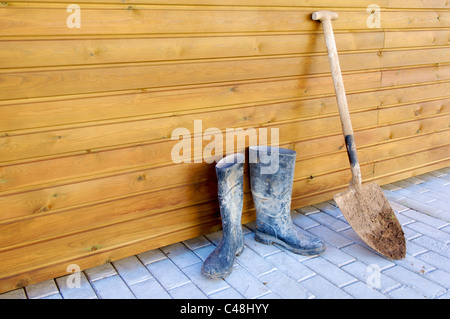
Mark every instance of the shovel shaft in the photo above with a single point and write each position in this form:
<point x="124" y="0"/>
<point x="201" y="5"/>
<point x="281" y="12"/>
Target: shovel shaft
<point x="325" y="17"/>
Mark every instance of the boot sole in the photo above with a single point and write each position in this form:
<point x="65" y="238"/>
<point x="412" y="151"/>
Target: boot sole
<point x="269" y="240"/>
<point x="221" y="276"/>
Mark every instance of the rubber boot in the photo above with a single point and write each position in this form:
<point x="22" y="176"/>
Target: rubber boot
<point x="271" y="181"/>
<point x="230" y="177"/>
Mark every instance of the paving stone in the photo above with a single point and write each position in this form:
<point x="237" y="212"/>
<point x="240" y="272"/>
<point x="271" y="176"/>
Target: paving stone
<point x="187" y="291"/>
<point x="204" y="252"/>
<point x="42" y="289"/>
<point x="417" y="282"/>
<point x="167" y="274"/>
<point x="330" y="236"/>
<point x="290" y="266"/>
<point x="131" y="270"/>
<point x="100" y="272"/>
<point x="410" y="234"/>
<point x="151" y="256"/>
<point x="404" y="220"/>
<point x="411" y="186"/>
<point x="270" y="295"/>
<point x="371" y="275"/>
<point x="406" y="293"/>
<point x="429" y="231"/>
<point x="414" y="249"/>
<point x="415" y="180"/>
<point x="360" y="290"/>
<point x="229" y="293"/>
<point x="197" y="242"/>
<point x="390" y="187"/>
<point x="422" y="197"/>
<point x="112" y="287"/>
<point x="329" y="271"/>
<point x="440" y="204"/>
<point x="397" y="207"/>
<point x="180" y="255"/>
<point x="260" y="249"/>
<point x="307" y="210"/>
<point x="369" y="257"/>
<point x="246" y="284"/>
<point x="304" y="222"/>
<point x="254" y="263"/>
<point x="55" y="296"/>
<point x="337" y="256"/>
<point x="392" y="196"/>
<point x="435" y="259"/>
<point x="426" y="219"/>
<point x="284" y="286"/>
<point x="329" y="209"/>
<point x="149" y="289"/>
<point x="324" y="289"/>
<point x="414" y="264"/>
<point x="430" y="179"/>
<point x="440" y="277"/>
<point x="445" y="296"/>
<point x="73" y="290"/>
<point x="433" y="245"/>
<point x="14" y="294"/>
<point x="330" y="222"/>
<point x="446" y="229"/>
<point x="206" y="285"/>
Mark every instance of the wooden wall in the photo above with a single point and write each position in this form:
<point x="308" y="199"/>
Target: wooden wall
<point x="86" y="114"/>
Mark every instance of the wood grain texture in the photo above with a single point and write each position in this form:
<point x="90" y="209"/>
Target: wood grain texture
<point x="86" y="115"/>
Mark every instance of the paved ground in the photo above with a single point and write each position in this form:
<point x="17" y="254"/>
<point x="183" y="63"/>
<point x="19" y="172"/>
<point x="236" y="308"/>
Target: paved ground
<point x="348" y="269"/>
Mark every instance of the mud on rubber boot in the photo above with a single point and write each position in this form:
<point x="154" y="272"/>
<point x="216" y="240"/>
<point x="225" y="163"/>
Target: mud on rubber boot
<point x="271" y="179"/>
<point x="230" y="177"/>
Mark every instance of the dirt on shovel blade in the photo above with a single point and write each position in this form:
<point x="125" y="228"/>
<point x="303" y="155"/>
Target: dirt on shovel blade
<point x="372" y="218"/>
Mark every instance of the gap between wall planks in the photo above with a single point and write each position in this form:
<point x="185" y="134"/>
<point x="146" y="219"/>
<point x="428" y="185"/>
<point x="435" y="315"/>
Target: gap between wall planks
<point x="86" y="114"/>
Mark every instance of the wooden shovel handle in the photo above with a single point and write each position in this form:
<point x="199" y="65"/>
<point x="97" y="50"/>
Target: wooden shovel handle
<point x="325" y="17"/>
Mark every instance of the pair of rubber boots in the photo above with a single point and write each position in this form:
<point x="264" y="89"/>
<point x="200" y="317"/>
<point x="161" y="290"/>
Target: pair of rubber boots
<point x="271" y="179"/>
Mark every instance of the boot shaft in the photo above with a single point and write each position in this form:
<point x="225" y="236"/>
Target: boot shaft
<point x="230" y="181"/>
<point x="271" y="192"/>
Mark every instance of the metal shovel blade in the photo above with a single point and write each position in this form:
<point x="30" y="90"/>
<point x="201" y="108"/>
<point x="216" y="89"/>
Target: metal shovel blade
<point x="368" y="212"/>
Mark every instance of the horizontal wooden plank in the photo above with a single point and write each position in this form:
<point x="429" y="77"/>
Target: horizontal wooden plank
<point x="411" y="160"/>
<point x="20" y="54"/>
<point x="30" y="83"/>
<point x="392" y="115"/>
<point x="28" y="21"/>
<point x="415" y="75"/>
<point x="264" y="3"/>
<point x="23" y="53"/>
<point x="22" y="21"/>
<point x="412" y="38"/>
<point x="434" y="4"/>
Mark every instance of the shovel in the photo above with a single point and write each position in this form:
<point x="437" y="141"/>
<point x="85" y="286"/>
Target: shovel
<point x="364" y="206"/>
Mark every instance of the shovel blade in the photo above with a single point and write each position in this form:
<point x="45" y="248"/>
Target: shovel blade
<point x="372" y="218"/>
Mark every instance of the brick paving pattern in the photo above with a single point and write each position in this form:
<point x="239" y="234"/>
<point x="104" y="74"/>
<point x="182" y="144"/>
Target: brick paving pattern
<point x="348" y="269"/>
